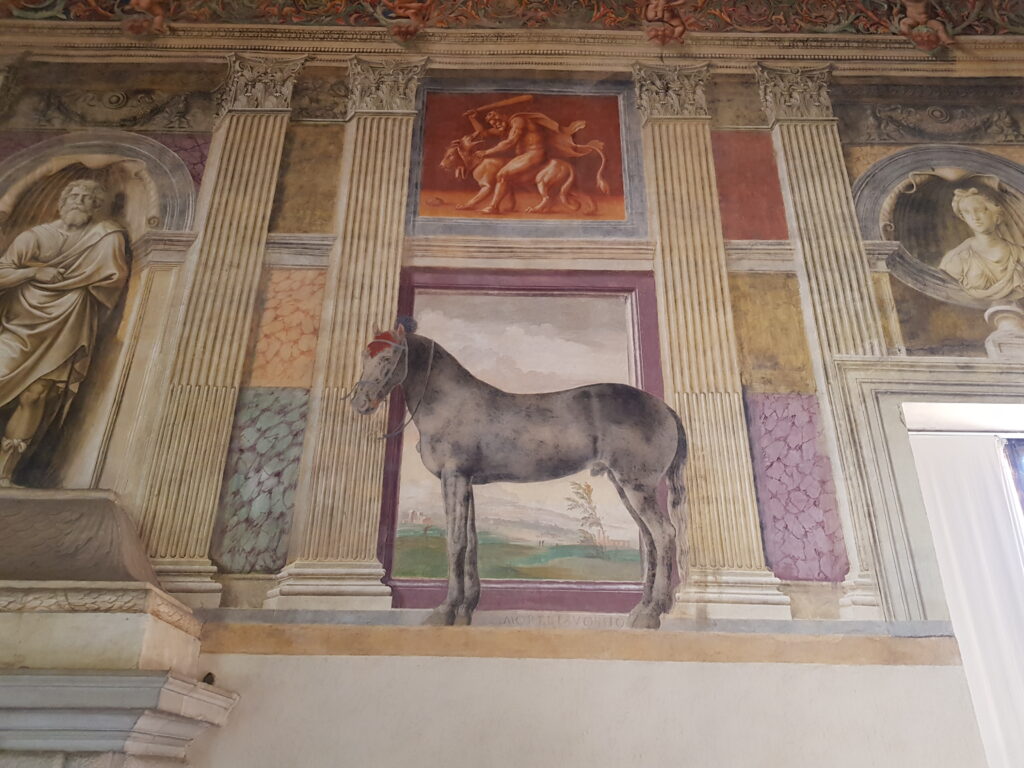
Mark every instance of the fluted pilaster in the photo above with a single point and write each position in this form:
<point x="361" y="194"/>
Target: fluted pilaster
<point x="222" y="274"/>
<point x="727" y="566"/>
<point x="333" y="556"/>
<point x="839" y="304"/>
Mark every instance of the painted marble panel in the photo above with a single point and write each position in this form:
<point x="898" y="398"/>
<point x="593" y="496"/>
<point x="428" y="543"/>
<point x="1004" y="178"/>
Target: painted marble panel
<point x="749" y="193"/>
<point x="254" y="519"/>
<point x="192" y="148"/>
<point x="15" y="141"/>
<point x="286" y="336"/>
<point x="803" y="536"/>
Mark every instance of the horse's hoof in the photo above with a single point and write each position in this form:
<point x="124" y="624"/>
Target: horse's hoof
<point x="441" y="616"/>
<point x="644" y="620"/>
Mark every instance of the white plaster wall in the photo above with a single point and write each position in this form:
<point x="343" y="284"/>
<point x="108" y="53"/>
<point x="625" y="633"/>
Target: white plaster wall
<point x="398" y="712"/>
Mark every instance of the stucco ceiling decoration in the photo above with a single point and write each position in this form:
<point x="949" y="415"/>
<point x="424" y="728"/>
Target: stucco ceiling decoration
<point x="664" y="21"/>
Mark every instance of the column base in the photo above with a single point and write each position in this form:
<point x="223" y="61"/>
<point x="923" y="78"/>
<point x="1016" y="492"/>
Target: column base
<point x="731" y="594"/>
<point x="860" y="600"/>
<point x="190" y="581"/>
<point x="330" y="586"/>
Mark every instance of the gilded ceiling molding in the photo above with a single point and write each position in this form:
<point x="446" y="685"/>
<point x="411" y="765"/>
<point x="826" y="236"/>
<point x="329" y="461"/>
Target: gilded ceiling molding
<point x="383" y="86"/>
<point x="516" y="50"/>
<point x="671" y="91"/>
<point x="795" y="93"/>
<point x="259" y="83"/>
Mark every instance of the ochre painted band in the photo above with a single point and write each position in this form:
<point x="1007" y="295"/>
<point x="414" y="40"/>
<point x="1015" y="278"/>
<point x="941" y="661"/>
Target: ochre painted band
<point x="627" y="645"/>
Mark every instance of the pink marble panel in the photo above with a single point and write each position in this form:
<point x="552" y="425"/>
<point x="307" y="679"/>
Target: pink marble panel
<point x="192" y="148"/>
<point x="803" y="536"/>
<point x="288" y="326"/>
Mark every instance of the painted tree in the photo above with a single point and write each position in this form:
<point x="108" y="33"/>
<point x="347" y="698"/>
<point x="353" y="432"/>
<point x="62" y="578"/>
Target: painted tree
<point x="581" y="502"/>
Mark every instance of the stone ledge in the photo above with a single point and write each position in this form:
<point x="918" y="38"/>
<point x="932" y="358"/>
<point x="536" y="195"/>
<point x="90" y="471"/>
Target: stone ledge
<point x="97" y="597"/>
<point x="141" y="713"/>
<point x="598" y="644"/>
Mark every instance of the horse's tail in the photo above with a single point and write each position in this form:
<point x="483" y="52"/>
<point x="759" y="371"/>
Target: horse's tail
<point x="677" y="489"/>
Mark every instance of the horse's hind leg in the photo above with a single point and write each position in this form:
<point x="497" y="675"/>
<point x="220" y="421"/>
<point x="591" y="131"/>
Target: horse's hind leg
<point x="648" y="553"/>
<point x="456" y="489"/>
<point x="464" y="613"/>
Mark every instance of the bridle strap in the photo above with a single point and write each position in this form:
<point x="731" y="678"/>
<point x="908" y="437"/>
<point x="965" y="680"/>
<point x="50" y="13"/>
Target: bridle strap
<point x="423" y="394"/>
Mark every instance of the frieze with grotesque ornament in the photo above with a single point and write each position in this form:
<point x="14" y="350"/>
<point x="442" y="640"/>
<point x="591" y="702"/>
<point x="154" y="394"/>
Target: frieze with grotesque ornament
<point x="930" y="25"/>
<point x="136" y="108"/>
<point x="909" y="124"/>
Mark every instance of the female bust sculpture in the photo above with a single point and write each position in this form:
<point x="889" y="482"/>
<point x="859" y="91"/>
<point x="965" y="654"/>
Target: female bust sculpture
<point x="987" y="265"/>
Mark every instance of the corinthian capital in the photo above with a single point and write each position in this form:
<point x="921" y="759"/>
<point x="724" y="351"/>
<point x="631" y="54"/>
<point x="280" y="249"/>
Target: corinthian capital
<point x="259" y="83"/>
<point x="795" y="93"/>
<point x="386" y="86"/>
<point x="671" y="91"/>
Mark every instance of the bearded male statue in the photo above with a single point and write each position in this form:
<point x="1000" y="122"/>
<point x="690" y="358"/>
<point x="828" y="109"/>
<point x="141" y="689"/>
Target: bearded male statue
<point x="57" y="281"/>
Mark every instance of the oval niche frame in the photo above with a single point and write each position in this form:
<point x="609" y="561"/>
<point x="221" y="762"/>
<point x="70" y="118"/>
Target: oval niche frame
<point x="175" y="190"/>
<point x="874" y="189"/>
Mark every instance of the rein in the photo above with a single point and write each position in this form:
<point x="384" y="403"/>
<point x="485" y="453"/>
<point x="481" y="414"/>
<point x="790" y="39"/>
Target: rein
<point x="423" y="392"/>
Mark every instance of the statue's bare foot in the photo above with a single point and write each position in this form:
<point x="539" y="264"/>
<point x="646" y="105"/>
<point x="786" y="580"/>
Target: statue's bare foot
<point x="489" y="209"/>
<point x="462" y="206"/>
<point x="6" y="482"/>
<point x="442" y="616"/>
<point x="463" y="617"/>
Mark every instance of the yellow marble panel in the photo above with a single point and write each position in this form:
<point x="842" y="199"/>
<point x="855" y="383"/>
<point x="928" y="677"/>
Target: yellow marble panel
<point x="307" y="188"/>
<point x="773" y="350"/>
<point x="932" y="327"/>
<point x="286" y="335"/>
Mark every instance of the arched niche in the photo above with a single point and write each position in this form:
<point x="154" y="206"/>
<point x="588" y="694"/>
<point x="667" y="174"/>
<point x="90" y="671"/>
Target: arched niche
<point x="150" y="190"/>
<point x="907" y="197"/>
<point x="155" y="188"/>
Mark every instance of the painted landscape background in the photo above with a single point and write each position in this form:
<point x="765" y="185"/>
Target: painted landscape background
<point x="570" y="529"/>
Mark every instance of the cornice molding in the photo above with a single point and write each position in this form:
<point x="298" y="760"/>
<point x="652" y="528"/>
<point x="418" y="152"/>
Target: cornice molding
<point x="572" y="50"/>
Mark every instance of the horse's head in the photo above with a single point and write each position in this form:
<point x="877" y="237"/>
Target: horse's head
<point x="385" y="365"/>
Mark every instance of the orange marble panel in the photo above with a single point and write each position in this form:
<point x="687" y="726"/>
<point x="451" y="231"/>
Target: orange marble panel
<point x="286" y="335"/>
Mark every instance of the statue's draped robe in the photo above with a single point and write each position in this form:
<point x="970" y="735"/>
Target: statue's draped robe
<point x="47" y="331"/>
<point x="983" y="276"/>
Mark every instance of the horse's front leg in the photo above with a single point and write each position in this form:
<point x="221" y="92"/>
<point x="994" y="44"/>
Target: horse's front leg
<point x="456" y="489"/>
<point x="464" y="614"/>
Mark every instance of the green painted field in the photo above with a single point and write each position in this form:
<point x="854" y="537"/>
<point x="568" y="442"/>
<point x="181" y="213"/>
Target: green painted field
<point x="421" y="555"/>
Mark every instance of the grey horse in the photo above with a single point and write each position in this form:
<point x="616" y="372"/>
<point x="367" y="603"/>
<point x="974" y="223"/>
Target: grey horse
<point x="472" y="433"/>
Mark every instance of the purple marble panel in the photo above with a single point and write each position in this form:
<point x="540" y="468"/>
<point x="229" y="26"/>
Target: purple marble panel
<point x="15" y="141"/>
<point x="192" y="148"/>
<point x="254" y="519"/>
<point x="803" y="537"/>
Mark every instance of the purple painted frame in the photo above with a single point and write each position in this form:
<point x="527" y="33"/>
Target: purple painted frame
<point x="509" y="594"/>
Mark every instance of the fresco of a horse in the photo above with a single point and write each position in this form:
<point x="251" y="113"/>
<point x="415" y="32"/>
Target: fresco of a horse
<point x="472" y="433"/>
